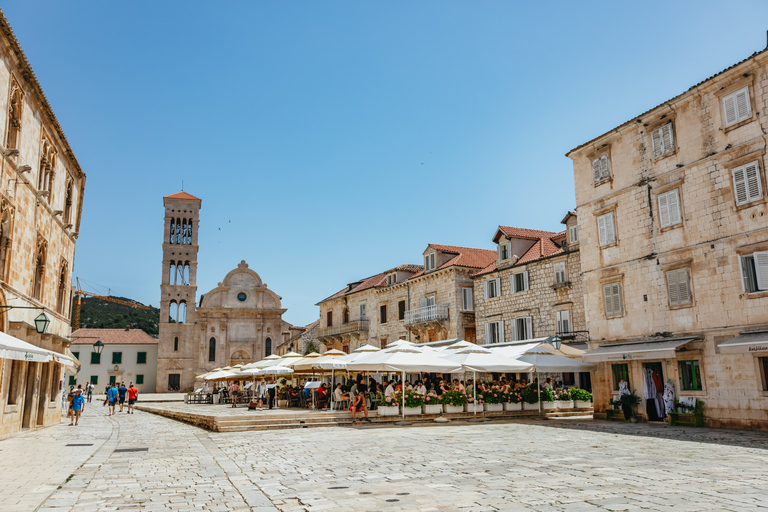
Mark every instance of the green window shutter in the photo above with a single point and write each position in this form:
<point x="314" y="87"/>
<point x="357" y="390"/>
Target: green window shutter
<point x="94" y="379"/>
<point x="77" y="355"/>
<point x="72" y="380"/>
<point x="95" y="358"/>
<point x="139" y="379"/>
<point x="117" y="357"/>
<point x="141" y="358"/>
<point x="112" y="379"/>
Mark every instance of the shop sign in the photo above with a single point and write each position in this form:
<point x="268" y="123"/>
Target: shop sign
<point x="758" y="348"/>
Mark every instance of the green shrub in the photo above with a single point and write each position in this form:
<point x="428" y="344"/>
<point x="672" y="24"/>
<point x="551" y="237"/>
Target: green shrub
<point x="453" y="398"/>
<point x="581" y="394"/>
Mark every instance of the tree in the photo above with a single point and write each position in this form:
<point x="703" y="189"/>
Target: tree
<point x="311" y="347"/>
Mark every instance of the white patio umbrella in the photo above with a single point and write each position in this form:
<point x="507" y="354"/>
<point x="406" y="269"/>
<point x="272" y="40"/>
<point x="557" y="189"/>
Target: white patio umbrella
<point x="276" y="370"/>
<point x="340" y="363"/>
<point x="267" y="361"/>
<point x="457" y="346"/>
<point x="221" y="375"/>
<point x="287" y="358"/>
<point x="317" y="362"/>
<point x="404" y="359"/>
<point x="305" y="361"/>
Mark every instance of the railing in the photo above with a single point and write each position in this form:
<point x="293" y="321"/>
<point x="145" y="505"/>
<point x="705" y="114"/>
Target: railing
<point x="427" y="313"/>
<point x="360" y="325"/>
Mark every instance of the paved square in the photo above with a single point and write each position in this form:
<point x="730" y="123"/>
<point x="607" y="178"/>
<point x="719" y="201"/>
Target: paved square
<point x="555" y="465"/>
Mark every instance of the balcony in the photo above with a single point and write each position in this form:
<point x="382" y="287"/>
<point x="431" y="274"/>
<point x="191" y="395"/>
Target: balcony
<point x="349" y="327"/>
<point x="427" y="314"/>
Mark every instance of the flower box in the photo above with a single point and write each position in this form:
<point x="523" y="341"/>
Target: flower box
<point x="509" y="406"/>
<point x="582" y="404"/>
<point x="384" y="410"/>
<point x="433" y="409"/>
<point x="530" y="407"/>
<point x="453" y="409"/>
<point x="282" y="404"/>
<point x="547" y="406"/>
<point x="412" y="411"/>
<point x="473" y="407"/>
<point x="564" y="404"/>
<point x="494" y="407"/>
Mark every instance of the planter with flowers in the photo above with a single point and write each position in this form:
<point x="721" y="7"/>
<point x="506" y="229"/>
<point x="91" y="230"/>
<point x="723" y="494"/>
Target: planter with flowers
<point x="547" y="399"/>
<point x="432" y="404"/>
<point x="390" y="406"/>
<point x="530" y="399"/>
<point x="582" y="398"/>
<point x="493" y="401"/>
<point x="563" y="400"/>
<point x="513" y="401"/>
<point x="473" y="405"/>
<point x="413" y="403"/>
<point x="453" y="401"/>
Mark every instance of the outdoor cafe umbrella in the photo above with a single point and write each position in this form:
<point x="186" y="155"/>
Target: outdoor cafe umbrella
<point x="316" y="362"/>
<point x="404" y="358"/>
<point x="276" y="370"/>
<point x="267" y="361"/>
<point x="340" y="363"/>
<point x="305" y="361"/>
<point x="286" y="358"/>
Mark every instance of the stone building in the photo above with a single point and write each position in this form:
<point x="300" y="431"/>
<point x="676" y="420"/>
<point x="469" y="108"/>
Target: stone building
<point x="420" y="303"/>
<point x="129" y="356"/>
<point x="41" y="193"/>
<point x="238" y="322"/>
<point x="302" y="343"/>
<point x="533" y="289"/>
<point x="673" y="226"/>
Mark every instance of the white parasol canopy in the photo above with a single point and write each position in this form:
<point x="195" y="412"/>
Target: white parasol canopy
<point x="275" y="370"/>
<point x="341" y="362"/>
<point x="267" y="361"/>
<point x="286" y="358"/>
<point x="221" y="375"/>
<point x="305" y="361"/>
<point x="542" y="360"/>
<point x="480" y="359"/>
<point x="315" y="362"/>
<point x="403" y="358"/>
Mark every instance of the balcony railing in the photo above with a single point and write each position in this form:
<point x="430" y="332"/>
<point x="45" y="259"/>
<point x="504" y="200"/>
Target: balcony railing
<point x="426" y="314"/>
<point x="360" y="325"/>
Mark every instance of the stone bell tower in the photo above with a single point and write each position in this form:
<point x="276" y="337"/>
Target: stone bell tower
<point x="177" y="348"/>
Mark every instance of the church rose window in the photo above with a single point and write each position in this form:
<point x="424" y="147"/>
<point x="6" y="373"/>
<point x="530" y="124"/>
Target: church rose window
<point x="241" y="297"/>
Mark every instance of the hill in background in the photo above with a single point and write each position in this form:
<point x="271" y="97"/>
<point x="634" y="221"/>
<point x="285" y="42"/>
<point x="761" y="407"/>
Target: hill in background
<point x="102" y="314"/>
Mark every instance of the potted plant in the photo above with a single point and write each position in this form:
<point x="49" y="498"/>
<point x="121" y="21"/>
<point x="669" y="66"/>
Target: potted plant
<point x="493" y="401"/>
<point x="628" y="403"/>
<point x="530" y="398"/>
<point x="432" y="404"/>
<point x="513" y="401"/>
<point x="453" y="401"/>
<point x="413" y="403"/>
<point x="390" y="406"/>
<point x="563" y="399"/>
<point x="582" y="398"/>
<point x="547" y="399"/>
<point x="473" y="404"/>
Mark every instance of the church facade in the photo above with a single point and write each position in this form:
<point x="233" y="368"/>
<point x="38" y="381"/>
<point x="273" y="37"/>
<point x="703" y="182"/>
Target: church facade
<point x="238" y="322"/>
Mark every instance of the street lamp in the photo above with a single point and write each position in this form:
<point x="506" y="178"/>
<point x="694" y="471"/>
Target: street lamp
<point x="98" y="347"/>
<point x="41" y="323"/>
<point x="554" y="341"/>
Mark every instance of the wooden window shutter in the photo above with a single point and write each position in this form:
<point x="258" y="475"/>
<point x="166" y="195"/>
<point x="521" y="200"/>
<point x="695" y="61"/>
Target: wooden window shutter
<point x="604" y="167"/>
<point x="658" y="145"/>
<point x="684" y="286"/>
<point x="608" y="299"/>
<point x="761" y="269"/>
<point x="498" y="252"/>
<point x="488" y="333"/>
<point x="485" y="289"/>
<point x="422" y="302"/>
<point x="610" y="228"/>
<point x="740" y="185"/>
<point x="498" y="287"/>
<point x="616" y="291"/>
<point x="672" y="288"/>
<point x="664" y="210"/>
<point x="667" y="138"/>
<point x="673" y="207"/>
<point x="743" y="108"/>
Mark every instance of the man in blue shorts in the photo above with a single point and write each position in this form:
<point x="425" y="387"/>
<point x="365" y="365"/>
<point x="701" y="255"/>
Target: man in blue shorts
<point x="121" y="391"/>
<point x="112" y="398"/>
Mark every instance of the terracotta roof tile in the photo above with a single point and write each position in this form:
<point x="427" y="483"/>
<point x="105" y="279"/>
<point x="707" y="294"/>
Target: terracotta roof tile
<point x="182" y="195"/>
<point x="112" y="337"/>
<point x="408" y="268"/>
<point x="544" y="247"/>
<point x="530" y="234"/>
<point x="466" y="256"/>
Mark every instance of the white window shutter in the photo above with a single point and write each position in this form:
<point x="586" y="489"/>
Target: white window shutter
<point x="601" y="230"/>
<point x="667" y="138"/>
<point x="658" y="148"/>
<point x="610" y="228"/>
<point x="761" y="269"/>
<point x="729" y="107"/>
<point x="596" y="169"/>
<point x="683" y="286"/>
<point x="525" y="280"/>
<point x="664" y="209"/>
<point x="605" y="169"/>
<point x="488" y="333"/>
<point x="528" y="328"/>
<point x="675" y="216"/>
<point x="498" y="252"/>
<point x="422" y="303"/>
<point x="485" y="289"/>
<point x="743" y="108"/>
<point x="608" y="298"/>
<point x="501" y="331"/>
<point x="513" y="326"/>
<point x="498" y="287"/>
<point x="752" y="178"/>
<point x="512" y="284"/>
<point x="616" y="291"/>
<point x="673" y="288"/>
<point x="740" y="185"/>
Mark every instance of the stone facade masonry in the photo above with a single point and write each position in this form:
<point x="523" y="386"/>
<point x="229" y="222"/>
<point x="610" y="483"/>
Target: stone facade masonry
<point x="713" y="233"/>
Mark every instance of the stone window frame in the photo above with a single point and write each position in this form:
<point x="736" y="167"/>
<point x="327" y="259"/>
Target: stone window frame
<point x="602" y="152"/>
<point x="613" y="208"/>
<point x="555" y="268"/>
<point x="14" y="88"/>
<point x="749" y="251"/>
<point x="742" y="82"/>
<point x="500" y="256"/>
<point x="664" y="120"/>
<point x="487" y="288"/>
<point x="527" y="319"/>
<point x="619" y="279"/>
<point x="571" y="230"/>
<point x="471" y="298"/>
<point x="732" y="166"/>
<point x="570" y="321"/>
<point x="513" y="282"/>
<point x="430" y="262"/>
<point x="665" y="189"/>
<point x="487" y="328"/>
<point x="679" y="265"/>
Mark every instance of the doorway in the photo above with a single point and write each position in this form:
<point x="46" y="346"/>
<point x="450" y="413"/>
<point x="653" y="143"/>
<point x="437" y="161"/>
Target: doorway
<point x="42" y="399"/>
<point x="174" y="382"/>
<point x="29" y="395"/>
<point x="653" y="389"/>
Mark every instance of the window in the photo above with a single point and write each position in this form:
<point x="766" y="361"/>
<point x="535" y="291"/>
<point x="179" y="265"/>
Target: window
<point x="329" y="319"/>
<point x="401" y="310"/>
<point x="13" y="379"/>
<point x="383" y="313"/>
<point x="754" y="271"/>
<point x="522" y="328"/>
<point x="62" y="293"/>
<point x="67" y="217"/>
<point x="746" y="183"/>
<point x="563" y="322"/>
<point x="518" y="282"/>
<point x="77" y="355"/>
<point x="573" y="234"/>
<point x="117" y="357"/>
<point x="613" y="303"/>
<point x="678" y="286"/>
<point x="94" y="379"/>
<point x="690" y="375"/>
<point x="736" y="106"/>
<point x="72" y="380"/>
<point x="14" y="116"/>
<point x="663" y="140"/>
<point x="47" y="166"/>
<point x="391" y="279"/>
<point x="491" y="288"/>
<point x="429" y="262"/>
<point x="669" y="208"/>
<point x="466" y="299"/>
<point x="606" y="229"/>
<point x="560" y="276"/>
<point x="113" y="379"/>
<point x="494" y="332"/>
<point x="362" y="311"/>
<point x="212" y="349"/>
<point x="601" y="168"/>
<point x="763" y="362"/>
<point x="620" y="372"/>
<point x="345" y="316"/>
<point x="504" y="251"/>
<point x="95" y="358"/>
<point x="176" y="344"/>
<point x="139" y="379"/>
<point x="40" y="260"/>
<point x="268" y="347"/>
<point x="426" y="302"/>
<point x="141" y="358"/>
<point x="240" y="296"/>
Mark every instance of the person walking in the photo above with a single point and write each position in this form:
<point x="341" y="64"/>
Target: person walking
<point x="234" y="390"/>
<point x="78" y="403"/>
<point x="271" y="393"/>
<point x="90" y="392"/>
<point x="112" y="398"/>
<point x="133" y="394"/>
<point x="121" y="391"/>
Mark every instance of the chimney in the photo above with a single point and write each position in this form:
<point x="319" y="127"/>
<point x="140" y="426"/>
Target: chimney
<point x="127" y="327"/>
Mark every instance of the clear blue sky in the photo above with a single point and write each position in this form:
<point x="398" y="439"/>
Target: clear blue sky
<point x="330" y="141"/>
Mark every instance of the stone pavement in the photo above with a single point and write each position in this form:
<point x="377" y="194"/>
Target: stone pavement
<point x="556" y="465"/>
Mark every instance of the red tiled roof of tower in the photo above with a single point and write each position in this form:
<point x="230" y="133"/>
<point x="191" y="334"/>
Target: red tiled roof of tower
<point x="87" y="336"/>
<point x="182" y="195"/>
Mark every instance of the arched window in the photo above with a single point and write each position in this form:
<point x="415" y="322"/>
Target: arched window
<point x="212" y="349"/>
<point x="173" y="231"/>
<point x="185" y="274"/>
<point x="189" y="232"/>
<point x="47" y="166"/>
<point x="172" y="273"/>
<point x="345" y="319"/>
<point x="182" y="312"/>
<point x="61" y="294"/>
<point x="68" y="204"/>
<point x="268" y="347"/>
<point x="14" y="116"/>
<point x="176" y="344"/>
<point x="173" y="313"/>
<point x="40" y="257"/>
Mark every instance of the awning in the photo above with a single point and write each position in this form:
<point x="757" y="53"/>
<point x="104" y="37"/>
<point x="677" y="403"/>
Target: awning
<point x="637" y="350"/>
<point x="752" y="341"/>
<point x="14" y="348"/>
